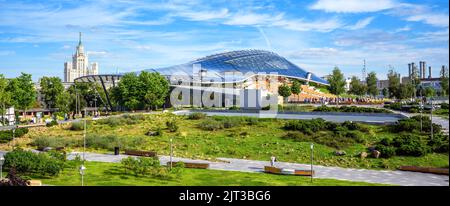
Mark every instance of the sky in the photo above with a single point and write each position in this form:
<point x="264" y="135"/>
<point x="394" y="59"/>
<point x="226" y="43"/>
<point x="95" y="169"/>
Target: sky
<point x="37" y="37"/>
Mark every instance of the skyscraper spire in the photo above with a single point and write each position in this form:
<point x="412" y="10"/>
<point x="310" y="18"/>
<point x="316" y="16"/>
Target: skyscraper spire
<point x="79" y="42"/>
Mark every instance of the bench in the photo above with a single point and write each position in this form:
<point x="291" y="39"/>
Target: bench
<point x="192" y="165"/>
<point x="34" y="183"/>
<point x="140" y="153"/>
<point x="275" y="170"/>
<point x="439" y="171"/>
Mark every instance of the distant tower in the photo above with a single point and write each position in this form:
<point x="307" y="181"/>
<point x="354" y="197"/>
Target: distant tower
<point x="80" y="64"/>
<point x="364" y="73"/>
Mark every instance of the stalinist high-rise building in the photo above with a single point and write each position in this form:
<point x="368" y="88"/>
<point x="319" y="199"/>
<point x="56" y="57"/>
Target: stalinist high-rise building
<point x="80" y="65"/>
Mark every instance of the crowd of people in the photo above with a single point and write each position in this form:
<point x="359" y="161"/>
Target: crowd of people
<point x="340" y="100"/>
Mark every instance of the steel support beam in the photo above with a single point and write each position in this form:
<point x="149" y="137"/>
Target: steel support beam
<point x="106" y="93"/>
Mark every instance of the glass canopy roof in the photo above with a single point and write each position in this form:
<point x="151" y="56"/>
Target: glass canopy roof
<point x="246" y="62"/>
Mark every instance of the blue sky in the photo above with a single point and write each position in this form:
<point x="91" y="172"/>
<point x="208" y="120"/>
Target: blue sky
<point x="37" y="37"/>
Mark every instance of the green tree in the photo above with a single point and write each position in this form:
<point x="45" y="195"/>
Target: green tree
<point x="5" y="96"/>
<point x="337" y="82"/>
<point x="63" y="102"/>
<point x="284" y="91"/>
<point x="23" y="93"/>
<point x="406" y="90"/>
<point x="371" y="81"/>
<point x="295" y="87"/>
<point x="385" y="92"/>
<point x="51" y="89"/>
<point x="155" y="89"/>
<point x="356" y="87"/>
<point x="429" y="92"/>
<point x="129" y="91"/>
<point x="394" y="84"/>
<point x="148" y="90"/>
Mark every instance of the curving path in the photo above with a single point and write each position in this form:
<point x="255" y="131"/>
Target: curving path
<point x="403" y="178"/>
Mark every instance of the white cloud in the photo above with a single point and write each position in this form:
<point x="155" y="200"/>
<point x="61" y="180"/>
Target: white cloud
<point x="252" y="19"/>
<point x="433" y="37"/>
<point x="439" y="20"/>
<point x="402" y="29"/>
<point x="361" y="24"/>
<point x="352" y="6"/>
<point x="204" y="15"/>
<point x="97" y="53"/>
<point x="322" y="25"/>
<point x="420" y="13"/>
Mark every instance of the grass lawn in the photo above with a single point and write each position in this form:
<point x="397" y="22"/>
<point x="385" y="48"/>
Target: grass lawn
<point x="258" y="142"/>
<point x="112" y="174"/>
<point x="441" y="113"/>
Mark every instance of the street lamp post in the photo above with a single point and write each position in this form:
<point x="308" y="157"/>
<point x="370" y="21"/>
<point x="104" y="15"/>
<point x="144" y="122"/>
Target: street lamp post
<point x="13" y="135"/>
<point x="95" y="105"/>
<point x="421" y="108"/>
<point x="84" y="136"/>
<point x="431" y="117"/>
<point x="2" y="160"/>
<point x="82" y="169"/>
<point x="312" y="156"/>
<point x="171" y="154"/>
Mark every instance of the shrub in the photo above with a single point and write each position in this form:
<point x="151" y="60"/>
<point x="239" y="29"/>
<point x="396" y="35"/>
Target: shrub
<point x="111" y="121"/>
<point x="386" y="151"/>
<point x="444" y="106"/>
<point x="6" y="136"/>
<point x="297" y="136"/>
<point x="42" y="142"/>
<point x="125" y="119"/>
<point x="410" y="145"/>
<point x="351" y="125"/>
<point x="27" y="162"/>
<point x="354" y="109"/>
<point x="172" y="125"/>
<point x="103" y="142"/>
<point x="77" y="126"/>
<point x="20" y="132"/>
<point x="52" y="123"/>
<point x="233" y="108"/>
<point x="306" y="126"/>
<point x="157" y="132"/>
<point x="356" y="136"/>
<point x="386" y="142"/>
<point x="439" y="144"/>
<point x="12" y="179"/>
<point x="211" y="125"/>
<point x="197" y="116"/>
<point x="231" y="122"/>
<point x="413" y="124"/>
<point x="142" y="165"/>
<point x="394" y="106"/>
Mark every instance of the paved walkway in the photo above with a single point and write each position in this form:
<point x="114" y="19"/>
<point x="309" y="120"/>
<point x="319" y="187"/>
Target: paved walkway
<point x="362" y="175"/>
<point x="341" y="117"/>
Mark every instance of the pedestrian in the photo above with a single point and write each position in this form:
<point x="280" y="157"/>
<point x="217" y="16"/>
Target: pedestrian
<point x="273" y="159"/>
